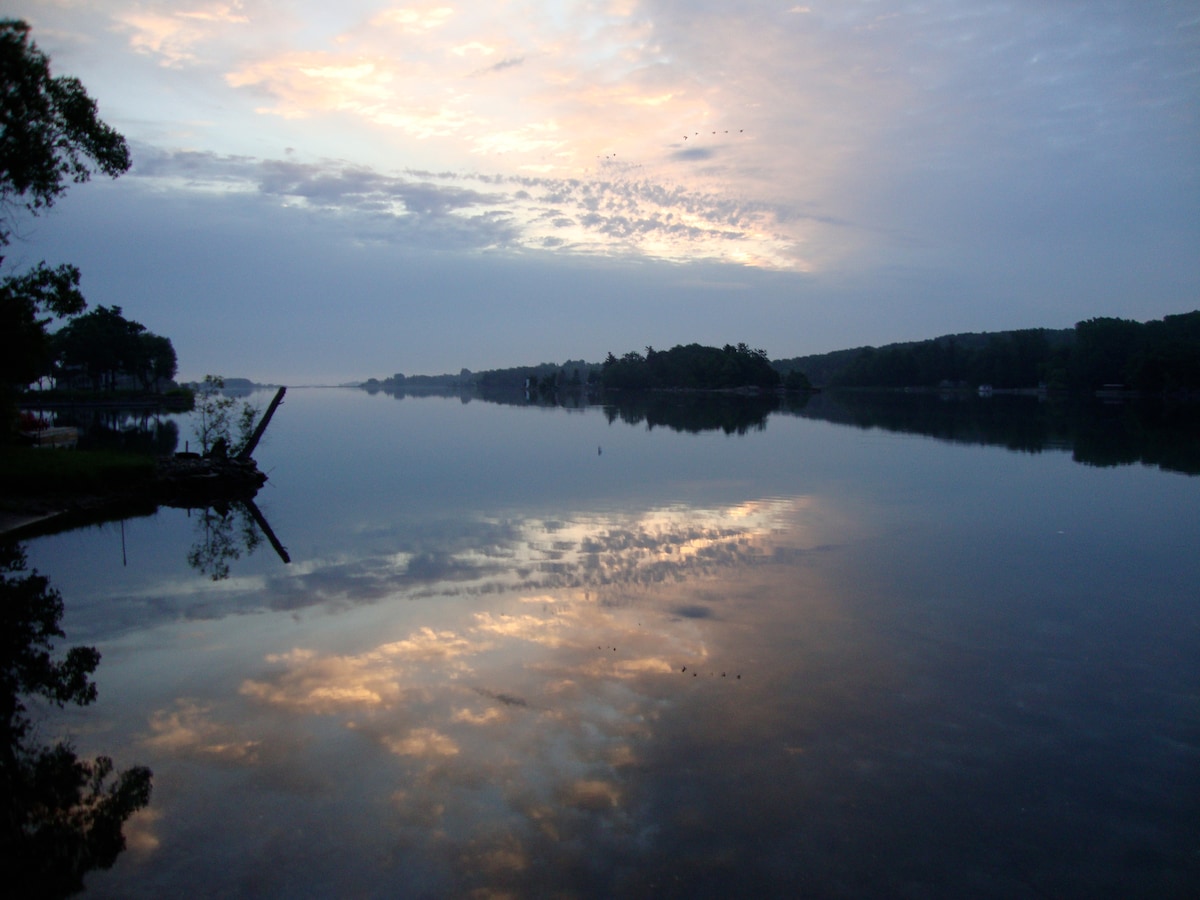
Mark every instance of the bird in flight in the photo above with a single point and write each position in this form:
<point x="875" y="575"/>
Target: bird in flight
<point x="725" y="131"/>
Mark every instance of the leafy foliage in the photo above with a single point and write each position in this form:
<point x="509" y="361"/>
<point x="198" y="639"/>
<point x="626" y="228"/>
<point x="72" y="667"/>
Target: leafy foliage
<point x="217" y="417"/>
<point x="50" y="134"/>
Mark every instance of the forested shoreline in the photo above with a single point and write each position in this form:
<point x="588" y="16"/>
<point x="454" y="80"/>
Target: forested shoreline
<point x="690" y="367"/>
<point x="1155" y="357"/>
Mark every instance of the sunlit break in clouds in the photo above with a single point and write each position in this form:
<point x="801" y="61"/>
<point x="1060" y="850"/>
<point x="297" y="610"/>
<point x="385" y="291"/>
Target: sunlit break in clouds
<point x="581" y="139"/>
<point x="859" y="172"/>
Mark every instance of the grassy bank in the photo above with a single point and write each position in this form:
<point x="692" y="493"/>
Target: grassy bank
<point x="32" y="472"/>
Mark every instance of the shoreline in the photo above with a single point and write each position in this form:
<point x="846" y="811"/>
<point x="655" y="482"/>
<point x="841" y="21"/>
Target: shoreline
<point x="187" y="481"/>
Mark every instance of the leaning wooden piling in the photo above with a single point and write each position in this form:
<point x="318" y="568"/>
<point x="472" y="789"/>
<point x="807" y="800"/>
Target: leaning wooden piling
<point x="246" y="451"/>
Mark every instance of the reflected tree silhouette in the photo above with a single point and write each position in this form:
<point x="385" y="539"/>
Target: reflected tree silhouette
<point x="694" y="412"/>
<point x="224" y="531"/>
<point x="60" y="816"/>
<point x="1151" y="431"/>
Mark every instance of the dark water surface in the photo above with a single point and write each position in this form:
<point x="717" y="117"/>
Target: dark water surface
<point x="532" y="652"/>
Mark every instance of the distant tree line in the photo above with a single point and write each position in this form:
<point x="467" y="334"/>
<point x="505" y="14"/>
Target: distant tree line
<point x="690" y="367"/>
<point x="401" y="382"/>
<point x="545" y="381"/>
<point x="1012" y="359"/>
<point x="1160" y="355"/>
<point x="1155" y="356"/>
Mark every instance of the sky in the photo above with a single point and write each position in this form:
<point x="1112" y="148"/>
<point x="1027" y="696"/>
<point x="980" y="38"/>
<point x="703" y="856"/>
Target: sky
<point x="322" y="193"/>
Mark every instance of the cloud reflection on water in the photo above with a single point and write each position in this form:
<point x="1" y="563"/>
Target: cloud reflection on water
<point x="532" y="554"/>
<point x="187" y="729"/>
<point x="952" y="664"/>
<point x="622" y="553"/>
<point x="526" y="719"/>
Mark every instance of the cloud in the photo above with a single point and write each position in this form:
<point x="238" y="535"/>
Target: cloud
<point x="172" y="33"/>
<point x="487" y="752"/>
<point x="422" y="742"/>
<point x="591" y="794"/>
<point x="807" y="151"/>
<point x="416" y="19"/>
<point x="662" y="547"/>
<point x="487" y="717"/>
<point x="140" y="831"/>
<point x="530" y="628"/>
<point x="559" y="128"/>
<point x="916" y="168"/>
<point x="373" y="680"/>
<point x="533" y="557"/>
<point x="187" y="729"/>
<point x="469" y="210"/>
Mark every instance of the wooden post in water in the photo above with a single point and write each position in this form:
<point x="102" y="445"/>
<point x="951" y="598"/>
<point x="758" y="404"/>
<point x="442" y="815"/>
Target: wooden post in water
<point x="262" y="426"/>
<point x="255" y="513"/>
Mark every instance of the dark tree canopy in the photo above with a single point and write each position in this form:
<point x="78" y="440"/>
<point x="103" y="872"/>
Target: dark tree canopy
<point x="25" y="347"/>
<point x="50" y="134"/>
<point x="103" y="348"/>
<point x="156" y="358"/>
<point x="1155" y="356"/>
<point x="693" y="367"/>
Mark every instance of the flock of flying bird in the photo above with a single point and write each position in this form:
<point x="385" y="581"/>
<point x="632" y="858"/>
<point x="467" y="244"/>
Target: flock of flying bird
<point x="685" y="137"/>
<point x="695" y="674"/>
<point x="726" y="131"/>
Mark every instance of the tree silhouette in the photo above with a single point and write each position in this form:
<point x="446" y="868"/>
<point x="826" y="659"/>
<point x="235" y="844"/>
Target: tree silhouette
<point x="693" y="367"/>
<point x="50" y="136"/>
<point x="223" y="532"/>
<point x="60" y="816"/>
<point x="51" y="132"/>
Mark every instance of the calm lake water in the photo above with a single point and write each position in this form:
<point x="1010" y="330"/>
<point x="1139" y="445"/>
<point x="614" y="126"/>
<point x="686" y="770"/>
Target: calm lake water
<point x="523" y="651"/>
